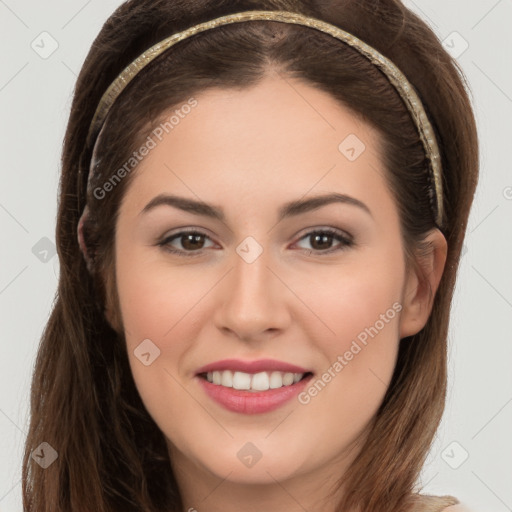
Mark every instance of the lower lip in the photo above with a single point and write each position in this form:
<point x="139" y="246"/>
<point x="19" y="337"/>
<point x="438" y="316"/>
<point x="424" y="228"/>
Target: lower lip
<point x="252" y="402"/>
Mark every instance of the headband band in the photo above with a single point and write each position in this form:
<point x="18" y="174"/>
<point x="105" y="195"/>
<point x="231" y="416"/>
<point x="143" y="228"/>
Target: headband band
<point x="394" y="75"/>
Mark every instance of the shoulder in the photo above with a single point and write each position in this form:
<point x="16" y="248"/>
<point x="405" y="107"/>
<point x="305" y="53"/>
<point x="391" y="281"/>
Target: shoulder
<point x="432" y="503"/>
<point x="457" y="508"/>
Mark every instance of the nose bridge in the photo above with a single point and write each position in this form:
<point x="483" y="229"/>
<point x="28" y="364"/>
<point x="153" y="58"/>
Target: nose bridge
<point x="251" y="275"/>
<point x="250" y="283"/>
<point x="251" y="303"/>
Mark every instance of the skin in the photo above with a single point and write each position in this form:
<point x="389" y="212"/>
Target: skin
<point x="249" y="152"/>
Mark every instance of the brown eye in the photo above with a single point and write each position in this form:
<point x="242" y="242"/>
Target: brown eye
<point x="321" y="241"/>
<point x="192" y="241"/>
<point x="185" y="242"/>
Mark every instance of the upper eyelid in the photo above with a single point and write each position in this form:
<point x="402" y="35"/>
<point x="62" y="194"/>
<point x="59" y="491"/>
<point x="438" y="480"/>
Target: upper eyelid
<point x="184" y="231"/>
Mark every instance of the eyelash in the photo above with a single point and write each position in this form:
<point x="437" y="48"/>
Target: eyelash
<point x="347" y="242"/>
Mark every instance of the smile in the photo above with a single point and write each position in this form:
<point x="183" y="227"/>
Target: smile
<point x="261" y="381"/>
<point x="280" y="388"/>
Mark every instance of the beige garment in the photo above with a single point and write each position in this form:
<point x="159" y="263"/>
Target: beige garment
<point x="429" y="503"/>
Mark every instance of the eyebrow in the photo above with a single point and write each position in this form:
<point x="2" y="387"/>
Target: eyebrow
<point x="290" y="209"/>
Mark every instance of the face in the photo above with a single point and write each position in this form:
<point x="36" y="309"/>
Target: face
<point x="270" y="272"/>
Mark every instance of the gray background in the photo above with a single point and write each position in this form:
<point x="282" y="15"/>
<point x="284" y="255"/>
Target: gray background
<point x="472" y="454"/>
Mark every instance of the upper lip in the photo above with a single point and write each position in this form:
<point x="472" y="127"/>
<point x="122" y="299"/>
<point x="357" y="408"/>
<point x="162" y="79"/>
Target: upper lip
<point x="259" y="365"/>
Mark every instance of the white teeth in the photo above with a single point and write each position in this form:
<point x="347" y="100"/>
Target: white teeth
<point x="287" y="379"/>
<point x="241" y="380"/>
<point x="227" y="379"/>
<point x="261" y="381"/>
<point x="276" y="380"/>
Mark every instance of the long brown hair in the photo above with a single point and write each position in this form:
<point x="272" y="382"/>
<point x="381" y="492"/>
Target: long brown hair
<point x="84" y="403"/>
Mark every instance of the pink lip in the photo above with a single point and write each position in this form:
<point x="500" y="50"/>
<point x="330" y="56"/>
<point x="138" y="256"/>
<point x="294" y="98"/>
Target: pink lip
<point x="251" y="366"/>
<point x="249" y="402"/>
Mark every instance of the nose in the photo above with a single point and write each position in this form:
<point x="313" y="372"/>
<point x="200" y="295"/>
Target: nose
<point x="252" y="301"/>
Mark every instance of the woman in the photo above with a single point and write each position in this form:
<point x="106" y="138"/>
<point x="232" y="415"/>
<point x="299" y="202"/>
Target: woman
<point x="259" y="228"/>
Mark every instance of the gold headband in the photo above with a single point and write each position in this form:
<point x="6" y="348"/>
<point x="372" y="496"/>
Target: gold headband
<point x="394" y="75"/>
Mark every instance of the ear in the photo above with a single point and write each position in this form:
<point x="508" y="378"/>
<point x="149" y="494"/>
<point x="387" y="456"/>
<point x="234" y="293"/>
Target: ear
<point x="421" y="283"/>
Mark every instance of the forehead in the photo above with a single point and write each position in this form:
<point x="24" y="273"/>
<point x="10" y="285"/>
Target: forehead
<point x="280" y="137"/>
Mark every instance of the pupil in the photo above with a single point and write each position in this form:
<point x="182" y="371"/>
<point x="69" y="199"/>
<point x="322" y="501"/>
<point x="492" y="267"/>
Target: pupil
<point x="323" y="239"/>
<point x="191" y="241"/>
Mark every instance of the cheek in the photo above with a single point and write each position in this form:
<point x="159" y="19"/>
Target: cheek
<point x="160" y="305"/>
<point x="355" y="302"/>
<point x="360" y="358"/>
<point x="360" y="312"/>
<point x="153" y="305"/>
